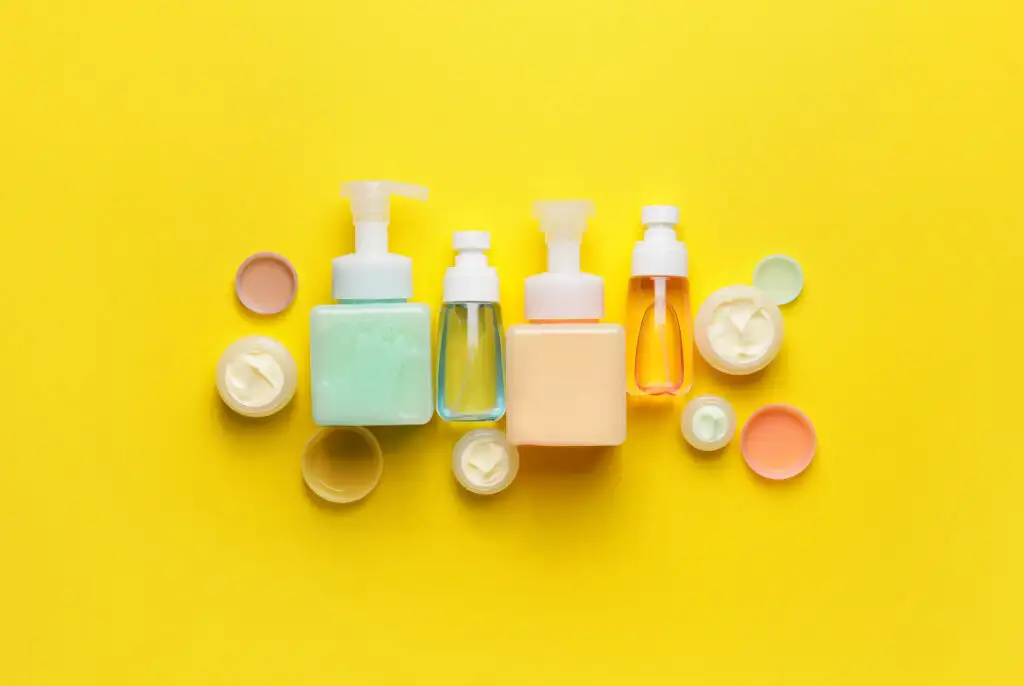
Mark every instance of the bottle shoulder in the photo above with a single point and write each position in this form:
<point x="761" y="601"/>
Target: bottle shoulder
<point x="371" y="309"/>
<point x="568" y="328"/>
<point x="465" y="305"/>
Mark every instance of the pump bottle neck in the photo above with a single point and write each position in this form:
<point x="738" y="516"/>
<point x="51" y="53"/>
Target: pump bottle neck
<point x="660" y="233"/>
<point x="563" y="256"/>
<point x="371" y="237"/>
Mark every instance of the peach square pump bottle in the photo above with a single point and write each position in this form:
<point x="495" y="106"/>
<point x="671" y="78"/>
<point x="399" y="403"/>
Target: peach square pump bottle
<point x="566" y="383"/>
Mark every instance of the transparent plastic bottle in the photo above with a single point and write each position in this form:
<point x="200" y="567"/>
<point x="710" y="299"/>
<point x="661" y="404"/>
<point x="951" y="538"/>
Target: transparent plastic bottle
<point x="471" y="342"/>
<point x="658" y="317"/>
<point x="471" y="364"/>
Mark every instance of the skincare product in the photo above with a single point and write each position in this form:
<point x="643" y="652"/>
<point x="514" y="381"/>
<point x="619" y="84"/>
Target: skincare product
<point x="566" y="370"/>
<point x="471" y="341"/>
<point x="708" y="422"/>
<point x="738" y="330"/>
<point x="369" y="355"/>
<point x="484" y="462"/>
<point x="256" y="376"/>
<point x="659" y="325"/>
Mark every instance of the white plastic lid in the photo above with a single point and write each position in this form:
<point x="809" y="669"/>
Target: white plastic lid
<point x="471" y="280"/>
<point x="660" y="253"/>
<point x="371" y="272"/>
<point x="563" y="292"/>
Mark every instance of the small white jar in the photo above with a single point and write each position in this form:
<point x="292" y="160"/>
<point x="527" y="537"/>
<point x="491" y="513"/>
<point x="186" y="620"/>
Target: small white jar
<point x="708" y="423"/>
<point x="485" y="462"/>
<point x="738" y="330"/>
<point x="256" y="376"/>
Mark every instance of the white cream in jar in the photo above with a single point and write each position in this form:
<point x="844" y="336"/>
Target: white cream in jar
<point x="484" y="462"/>
<point x="256" y="376"/>
<point x="738" y="330"/>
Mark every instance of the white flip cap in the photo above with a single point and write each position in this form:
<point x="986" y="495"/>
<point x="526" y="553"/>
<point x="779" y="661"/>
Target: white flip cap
<point x="471" y="280"/>
<point x="660" y="253"/>
<point x="564" y="292"/>
<point x="371" y="272"/>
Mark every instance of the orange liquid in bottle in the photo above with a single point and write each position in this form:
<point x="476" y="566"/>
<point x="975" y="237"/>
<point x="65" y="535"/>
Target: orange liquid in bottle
<point x="659" y="331"/>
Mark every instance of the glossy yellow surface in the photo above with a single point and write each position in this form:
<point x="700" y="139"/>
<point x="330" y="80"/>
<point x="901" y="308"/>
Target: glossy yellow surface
<point x="151" y="537"/>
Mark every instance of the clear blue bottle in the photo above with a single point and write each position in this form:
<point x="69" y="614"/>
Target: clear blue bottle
<point x="369" y="355"/>
<point x="471" y="339"/>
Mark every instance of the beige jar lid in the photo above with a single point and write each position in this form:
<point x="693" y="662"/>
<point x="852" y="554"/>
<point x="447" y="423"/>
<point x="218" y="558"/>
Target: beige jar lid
<point x="342" y="464"/>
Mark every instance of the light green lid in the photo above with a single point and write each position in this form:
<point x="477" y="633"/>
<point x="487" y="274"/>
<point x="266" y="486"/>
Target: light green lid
<point x="780" y="277"/>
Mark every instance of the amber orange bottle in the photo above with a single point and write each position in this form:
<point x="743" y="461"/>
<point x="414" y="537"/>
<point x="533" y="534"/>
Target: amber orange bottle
<point x="659" y="326"/>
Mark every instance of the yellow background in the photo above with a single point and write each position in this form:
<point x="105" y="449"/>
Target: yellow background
<point x="150" y="537"/>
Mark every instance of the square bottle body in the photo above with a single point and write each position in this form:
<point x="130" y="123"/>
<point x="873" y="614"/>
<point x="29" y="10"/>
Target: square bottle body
<point x="371" y="364"/>
<point x="566" y="384"/>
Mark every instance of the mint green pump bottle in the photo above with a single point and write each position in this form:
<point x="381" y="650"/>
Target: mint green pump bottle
<point x="369" y="355"/>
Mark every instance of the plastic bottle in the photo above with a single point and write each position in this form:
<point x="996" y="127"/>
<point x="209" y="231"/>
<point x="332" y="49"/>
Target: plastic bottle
<point x="471" y="345"/>
<point x="659" y="324"/>
<point x="369" y="355"/>
<point x="566" y="370"/>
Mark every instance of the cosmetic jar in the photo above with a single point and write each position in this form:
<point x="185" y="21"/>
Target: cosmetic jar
<point x="708" y="422"/>
<point x="738" y="330"/>
<point x="484" y="461"/>
<point x="256" y="376"/>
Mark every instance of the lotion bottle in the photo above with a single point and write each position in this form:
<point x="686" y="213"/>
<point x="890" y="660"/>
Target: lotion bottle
<point x="659" y="324"/>
<point x="369" y="354"/>
<point x="566" y="369"/>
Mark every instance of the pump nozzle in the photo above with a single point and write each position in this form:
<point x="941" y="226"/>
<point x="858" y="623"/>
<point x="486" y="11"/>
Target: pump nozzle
<point x="563" y="222"/>
<point x="373" y="273"/>
<point x="563" y="292"/>
<point x="371" y="200"/>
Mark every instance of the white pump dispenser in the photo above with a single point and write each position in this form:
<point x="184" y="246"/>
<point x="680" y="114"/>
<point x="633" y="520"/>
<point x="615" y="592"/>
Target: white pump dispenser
<point x="660" y="253"/>
<point x="564" y="292"/>
<point x="371" y="272"/>
<point x="471" y="280"/>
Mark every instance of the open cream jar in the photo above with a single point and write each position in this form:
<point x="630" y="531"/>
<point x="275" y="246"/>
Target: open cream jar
<point x="256" y="376"/>
<point x="738" y="330"/>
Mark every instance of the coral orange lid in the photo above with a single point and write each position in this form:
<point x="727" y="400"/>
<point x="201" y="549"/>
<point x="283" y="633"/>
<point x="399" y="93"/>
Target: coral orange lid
<point x="778" y="441"/>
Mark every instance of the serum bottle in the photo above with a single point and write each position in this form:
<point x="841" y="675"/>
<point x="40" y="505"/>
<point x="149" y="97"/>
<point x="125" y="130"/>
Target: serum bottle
<point x="369" y="355"/>
<point x="566" y="369"/>
<point x="660" y="328"/>
<point x="471" y="345"/>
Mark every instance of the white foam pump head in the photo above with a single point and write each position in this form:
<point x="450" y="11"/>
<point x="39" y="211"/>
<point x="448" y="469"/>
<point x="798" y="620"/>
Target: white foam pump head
<point x="660" y="253"/>
<point x="371" y="272"/>
<point x="471" y="280"/>
<point x="563" y="292"/>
